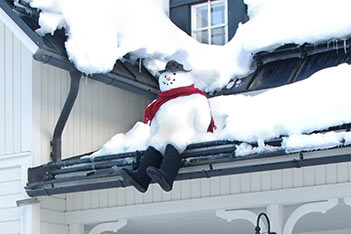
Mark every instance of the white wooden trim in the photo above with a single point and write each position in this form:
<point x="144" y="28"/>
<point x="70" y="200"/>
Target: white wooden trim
<point x="247" y="200"/>
<point x="27" y="109"/>
<point x="22" y="36"/>
<point x="112" y="227"/>
<point x="230" y="215"/>
<point x="209" y="27"/>
<point x="12" y="160"/>
<point x="321" y="207"/>
<point x="30" y="219"/>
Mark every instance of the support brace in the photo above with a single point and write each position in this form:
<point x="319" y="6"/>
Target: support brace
<point x="56" y="153"/>
<point x="106" y="227"/>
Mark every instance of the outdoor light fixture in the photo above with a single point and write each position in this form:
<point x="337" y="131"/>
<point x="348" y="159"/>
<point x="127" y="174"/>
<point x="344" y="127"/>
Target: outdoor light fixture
<point x="258" y="229"/>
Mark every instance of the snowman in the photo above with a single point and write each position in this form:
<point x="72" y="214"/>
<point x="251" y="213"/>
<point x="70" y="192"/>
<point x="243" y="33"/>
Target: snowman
<point x="180" y="113"/>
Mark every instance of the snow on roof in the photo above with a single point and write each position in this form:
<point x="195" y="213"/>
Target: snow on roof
<point x="100" y="32"/>
<point x="292" y="110"/>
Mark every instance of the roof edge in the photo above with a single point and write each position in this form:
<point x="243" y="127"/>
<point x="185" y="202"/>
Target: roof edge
<point x="22" y="31"/>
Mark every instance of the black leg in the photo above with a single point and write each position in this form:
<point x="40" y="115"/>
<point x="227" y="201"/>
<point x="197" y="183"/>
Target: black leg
<point x="139" y="178"/>
<point x="168" y="171"/>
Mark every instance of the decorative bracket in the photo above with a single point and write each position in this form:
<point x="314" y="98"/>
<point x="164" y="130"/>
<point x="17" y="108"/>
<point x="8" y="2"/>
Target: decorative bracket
<point x="231" y="215"/>
<point x="321" y="207"/>
<point x="109" y="227"/>
<point x="347" y="201"/>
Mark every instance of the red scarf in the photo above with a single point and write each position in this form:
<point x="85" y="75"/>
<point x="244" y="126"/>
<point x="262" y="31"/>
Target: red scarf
<point x="165" y="96"/>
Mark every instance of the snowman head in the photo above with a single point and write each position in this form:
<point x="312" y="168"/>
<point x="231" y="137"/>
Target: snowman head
<point x="171" y="80"/>
<point x="174" y="76"/>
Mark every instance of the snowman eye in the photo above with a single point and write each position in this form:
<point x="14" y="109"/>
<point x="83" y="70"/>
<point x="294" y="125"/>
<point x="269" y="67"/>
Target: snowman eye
<point x="174" y="73"/>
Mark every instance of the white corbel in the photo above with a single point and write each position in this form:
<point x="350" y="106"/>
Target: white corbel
<point x="347" y="201"/>
<point x="316" y="207"/>
<point x="230" y="215"/>
<point x="111" y="227"/>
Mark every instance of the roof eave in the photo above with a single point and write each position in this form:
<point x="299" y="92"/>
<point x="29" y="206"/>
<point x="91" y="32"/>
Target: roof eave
<point x="22" y="31"/>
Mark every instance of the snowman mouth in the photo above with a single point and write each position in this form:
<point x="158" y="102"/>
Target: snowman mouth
<point x="168" y="83"/>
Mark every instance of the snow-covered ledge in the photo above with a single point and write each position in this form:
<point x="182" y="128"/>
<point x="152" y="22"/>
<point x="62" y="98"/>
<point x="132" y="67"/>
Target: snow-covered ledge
<point x="112" y="226"/>
<point x="321" y="207"/>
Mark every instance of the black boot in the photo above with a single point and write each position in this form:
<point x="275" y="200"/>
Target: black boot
<point x="169" y="169"/>
<point x="138" y="178"/>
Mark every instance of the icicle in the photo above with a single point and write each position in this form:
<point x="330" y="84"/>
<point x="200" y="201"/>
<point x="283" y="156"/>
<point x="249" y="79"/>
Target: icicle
<point x="336" y="45"/>
<point x="86" y="80"/>
<point x="345" y="49"/>
<point x="140" y="64"/>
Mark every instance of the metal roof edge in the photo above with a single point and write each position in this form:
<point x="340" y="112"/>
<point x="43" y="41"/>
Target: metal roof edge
<point x="200" y="160"/>
<point x="28" y="37"/>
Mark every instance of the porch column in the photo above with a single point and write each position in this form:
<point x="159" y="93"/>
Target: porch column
<point x="276" y="216"/>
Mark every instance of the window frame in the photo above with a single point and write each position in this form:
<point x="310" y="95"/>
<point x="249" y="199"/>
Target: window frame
<point x="209" y="27"/>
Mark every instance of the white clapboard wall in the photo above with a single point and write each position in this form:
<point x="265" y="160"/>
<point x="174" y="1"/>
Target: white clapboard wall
<point x="31" y="98"/>
<point x="15" y="126"/>
<point x="100" y="112"/>
<point x="10" y="191"/>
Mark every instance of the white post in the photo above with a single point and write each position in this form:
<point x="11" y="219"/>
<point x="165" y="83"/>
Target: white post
<point x="30" y="214"/>
<point x="276" y="216"/>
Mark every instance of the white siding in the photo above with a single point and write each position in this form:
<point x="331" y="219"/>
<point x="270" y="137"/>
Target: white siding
<point x="14" y="90"/>
<point x="100" y="112"/>
<point x="212" y="187"/>
<point x="10" y="191"/>
<point x="15" y="127"/>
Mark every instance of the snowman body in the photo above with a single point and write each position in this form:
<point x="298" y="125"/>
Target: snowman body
<point x="181" y="119"/>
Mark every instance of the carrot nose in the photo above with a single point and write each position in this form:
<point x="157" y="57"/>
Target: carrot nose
<point x="168" y="78"/>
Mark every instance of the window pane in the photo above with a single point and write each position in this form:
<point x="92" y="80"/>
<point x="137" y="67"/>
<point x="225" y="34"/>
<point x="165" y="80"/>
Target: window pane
<point x="217" y="14"/>
<point x="202" y="36"/>
<point x="218" y="36"/>
<point x="201" y="17"/>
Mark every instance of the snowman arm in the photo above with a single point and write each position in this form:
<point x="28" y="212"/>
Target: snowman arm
<point x="202" y="117"/>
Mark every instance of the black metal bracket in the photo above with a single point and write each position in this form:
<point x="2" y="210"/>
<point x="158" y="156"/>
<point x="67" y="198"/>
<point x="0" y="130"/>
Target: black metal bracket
<point x="56" y="142"/>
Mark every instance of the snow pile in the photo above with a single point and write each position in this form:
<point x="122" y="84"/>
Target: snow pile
<point x="321" y="101"/>
<point x="99" y="32"/>
<point x="293" y="110"/>
<point x="246" y="149"/>
<point x="298" y="142"/>
<point x="135" y="139"/>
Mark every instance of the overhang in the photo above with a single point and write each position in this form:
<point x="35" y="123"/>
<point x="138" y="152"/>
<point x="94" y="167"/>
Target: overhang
<point x="200" y="160"/>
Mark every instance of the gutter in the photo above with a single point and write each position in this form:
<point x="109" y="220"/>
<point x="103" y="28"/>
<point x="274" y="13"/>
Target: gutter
<point x="200" y="160"/>
<point x="114" y="180"/>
